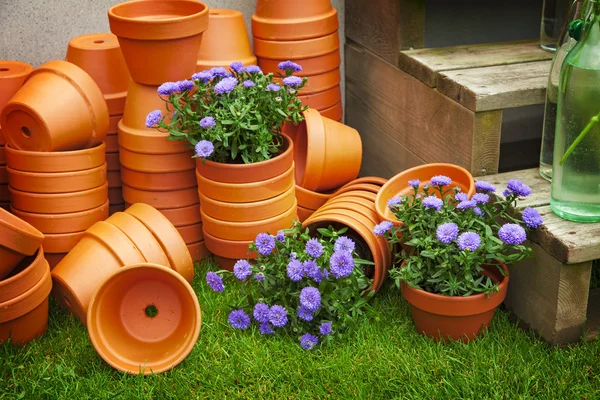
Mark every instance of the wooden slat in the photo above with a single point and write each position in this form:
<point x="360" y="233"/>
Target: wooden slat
<point x="497" y="87"/>
<point x="426" y="64"/>
<point x="531" y="177"/>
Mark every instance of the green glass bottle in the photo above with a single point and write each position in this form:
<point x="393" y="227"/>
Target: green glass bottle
<point x="576" y="163"/>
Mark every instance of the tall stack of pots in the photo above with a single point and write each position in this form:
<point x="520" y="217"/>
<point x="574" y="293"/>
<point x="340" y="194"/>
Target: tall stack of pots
<point x="100" y="56"/>
<point x="305" y="32"/>
<point x="160" y="42"/>
<point x="12" y="76"/>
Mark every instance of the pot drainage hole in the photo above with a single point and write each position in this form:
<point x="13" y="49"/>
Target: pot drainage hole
<point x="151" y="311"/>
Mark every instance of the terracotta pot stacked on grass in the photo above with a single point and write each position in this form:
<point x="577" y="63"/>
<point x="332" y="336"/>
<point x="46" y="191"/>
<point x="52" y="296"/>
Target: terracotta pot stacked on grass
<point x="100" y="56"/>
<point x="12" y="76"/>
<point x="305" y="32"/>
<point x="25" y="281"/>
<point x="154" y="170"/>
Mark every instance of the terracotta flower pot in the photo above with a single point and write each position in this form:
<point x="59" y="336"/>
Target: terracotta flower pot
<point x="167" y="235"/>
<point x="158" y="182"/>
<point x="183" y="216"/>
<point x="322" y="82"/>
<point x="232" y="249"/>
<point x="148" y="141"/>
<point x="358" y="205"/>
<point x="297" y="49"/>
<point x="304" y="213"/>
<point x="34" y="120"/>
<point x="100" y="56"/>
<point x="12" y="76"/>
<point x="112" y="162"/>
<point x="144" y="319"/>
<point x="322" y="100"/>
<point x="364" y="187"/>
<point x="198" y="250"/>
<point x="52" y="162"/>
<point x="225" y="41"/>
<point x="293" y="20"/>
<point x="61" y="242"/>
<point x="24" y="276"/>
<point x="169" y="31"/>
<point x="59" y="203"/>
<point x="309" y="199"/>
<point x="398" y="185"/>
<point x="54" y="259"/>
<point x="331" y="145"/>
<point x="335" y="113"/>
<point x="459" y="318"/>
<point x="373" y="180"/>
<point x="191" y="233"/>
<point x="102" y="250"/>
<point x="141" y="100"/>
<point x="310" y="66"/>
<point x="17" y="240"/>
<point x="156" y="163"/>
<point x="162" y="200"/>
<point x="57" y="182"/>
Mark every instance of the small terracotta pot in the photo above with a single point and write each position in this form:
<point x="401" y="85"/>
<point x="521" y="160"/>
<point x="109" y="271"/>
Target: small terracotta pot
<point x="248" y="212"/>
<point x="53" y="162"/>
<point x="233" y="249"/>
<point x="198" y="251"/>
<point x="459" y="318"/>
<point x="115" y="196"/>
<point x="398" y="185"/>
<point x="156" y="163"/>
<point x="100" y="56"/>
<point x="12" y="76"/>
<point x="161" y="200"/>
<point x="61" y="242"/>
<point x="112" y="162"/>
<point x="183" y="216"/>
<point x="191" y="233"/>
<point x="335" y="113"/>
<point x="246" y="193"/>
<point x="225" y="41"/>
<point x="331" y="144"/>
<point x="27" y="301"/>
<point x="24" y="276"/>
<point x="112" y="143"/>
<point x="169" y="31"/>
<point x="310" y="66"/>
<point x="304" y="213"/>
<point x="322" y="100"/>
<point x="148" y="141"/>
<point x="114" y="179"/>
<point x="33" y="119"/>
<point x="17" y="240"/>
<point x="293" y="20"/>
<point x="167" y="235"/>
<point x="54" y="258"/>
<point x="141" y="100"/>
<point x="57" y="182"/>
<point x="309" y="199"/>
<point x="59" y="203"/>
<point x="102" y="250"/>
<point x="144" y="319"/>
<point x="322" y="82"/>
<point x="297" y="49"/>
<point x="159" y="182"/>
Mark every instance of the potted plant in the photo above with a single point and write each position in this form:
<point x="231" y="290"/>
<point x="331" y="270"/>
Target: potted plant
<point x="313" y="288"/>
<point x="455" y="253"/>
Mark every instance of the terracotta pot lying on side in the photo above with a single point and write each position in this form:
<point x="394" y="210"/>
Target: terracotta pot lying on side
<point x="12" y="76"/>
<point x="18" y="239"/>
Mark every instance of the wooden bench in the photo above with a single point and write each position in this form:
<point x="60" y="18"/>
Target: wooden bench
<point x="550" y="292"/>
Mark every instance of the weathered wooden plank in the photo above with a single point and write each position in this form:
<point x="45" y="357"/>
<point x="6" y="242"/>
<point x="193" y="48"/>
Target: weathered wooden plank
<point x="485" y="153"/>
<point x="531" y="177"/>
<point x="426" y="64"/>
<point x="497" y="87"/>
<point x="592" y="323"/>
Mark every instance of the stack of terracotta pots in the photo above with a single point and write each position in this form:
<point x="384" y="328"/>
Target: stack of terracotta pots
<point x="154" y="170"/>
<point x="305" y="32"/>
<point x="225" y="41"/>
<point x="12" y="76"/>
<point x="56" y="165"/>
<point x="140" y="234"/>
<point x="100" y="56"/>
<point x="25" y="281"/>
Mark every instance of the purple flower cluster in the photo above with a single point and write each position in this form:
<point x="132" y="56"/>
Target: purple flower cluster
<point x="289" y="65"/>
<point x="237" y="66"/>
<point x="433" y="202"/>
<point x="469" y="241"/>
<point x="312" y="270"/>
<point x="226" y="85"/>
<point x="414" y="183"/>
<point x="292" y="81"/>
<point x="242" y="269"/>
<point x="460" y="196"/>
<point x="265" y="329"/>
<point x="512" y="234"/>
<point x="273" y="87"/>
<point x="185" y="85"/>
<point x="261" y="312"/>
<point x="344" y="244"/>
<point x="207" y="122"/>
<point x="515" y="186"/>
<point x="219" y="72"/>
<point x="248" y="83"/>
<point x="264" y="243"/>
<point x="259" y="277"/>
<point x="280" y="237"/>
<point x="382" y="227"/>
<point x="204" y="76"/>
<point x="481" y="198"/>
<point x="310" y="298"/>
<point x="341" y="264"/>
<point x="447" y="232"/>
<point x="204" y="148"/>
<point x="485" y="187"/>
<point x="394" y="201"/>
<point x="478" y="211"/>
<point x="168" y="88"/>
<point x="325" y="329"/>
<point x="314" y="248"/>
<point x="215" y="282"/>
<point x="532" y="218"/>
<point x="440" y="180"/>
<point x="466" y="204"/>
<point x="305" y="314"/>
<point x="238" y="319"/>
<point x="278" y="316"/>
<point x="295" y="270"/>
<point x="153" y="118"/>
<point x="253" y="69"/>
<point x="308" y="341"/>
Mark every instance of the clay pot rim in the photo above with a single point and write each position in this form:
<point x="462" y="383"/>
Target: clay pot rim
<point x="308" y="48"/>
<point x="37" y="293"/>
<point x="55" y="196"/>
<point x="234" y="247"/>
<point x="65" y="215"/>
<point x="223" y="12"/>
<point x="320" y="196"/>
<point x="27" y="239"/>
<point x="374" y="180"/>
<point x="246" y="225"/>
<point x="55" y="154"/>
<point x="364" y="187"/>
<point x="290" y="21"/>
<point x="203" y="65"/>
<point x="33" y="174"/>
<point x="253" y="204"/>
<point x="315" y="150"/>
<point x="15" y="68"/>
<point x="247" y="186"/>
<point x="38" y="260"/>
<point x="109" y="41"/>
<point x="127" y="133"/>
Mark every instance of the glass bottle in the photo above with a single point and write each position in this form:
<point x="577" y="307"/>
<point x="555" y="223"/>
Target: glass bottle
<point x="576" y="165"/>
<point x="554" y="13"/>
<point x="568" y="40"/>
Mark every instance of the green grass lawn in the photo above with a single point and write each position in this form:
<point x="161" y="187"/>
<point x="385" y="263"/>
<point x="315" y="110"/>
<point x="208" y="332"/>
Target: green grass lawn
<point x="384" y="358"/>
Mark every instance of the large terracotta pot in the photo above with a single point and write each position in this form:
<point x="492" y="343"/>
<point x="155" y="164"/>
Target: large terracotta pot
<point x="322" y="100"/>
<point x="24" y="276"/>
<point x="158" y="182"/>
<point x="398" y="185"/>
<point x="59" y="203"/>
<point x="169" y="31"/>
<point x="100" y="56"/>
<point x="61" y="243"/>
<point x="309" y="199"/>
<point x="183" y="216"/>
<point x="310" y="66"/>
<point x="234" y="249"/>
<point x="18" y="239"/>
<point x="322" y="82"/>
<point x="225" y="41"/>
<point x="297" y="49"/>
<point x="34" y="119"/>
<point x="162" y="200"/>
<point x="304" y="213"/>
<point x="156" y="163"/>
<point x="52" y="162"/>
<point x="458" y="318"/>
<point x="57" y="182"/>
<point x="144" y="319"/>
<point x="335" y="113"/>
<point x="293" y="20"/>
<point x="12" y="76"/>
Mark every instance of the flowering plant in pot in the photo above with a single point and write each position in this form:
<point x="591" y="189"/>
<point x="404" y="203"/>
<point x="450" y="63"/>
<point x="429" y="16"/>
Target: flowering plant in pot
<point x="454" y="248"/>
<point x="312" y="287"/>
<point x="233" y="116"/>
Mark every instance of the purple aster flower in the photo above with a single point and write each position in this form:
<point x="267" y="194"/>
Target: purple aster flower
<point x="265" y="329"/>
<point x="292" y="81"/>
<point x="219" y="72"/>
<point x="293" y="255"/>
<point x="485" y="187"/>
<point x="325" y="273"/>
<point x="295" y="270"/>
<point x="280" y="237"/>
<point x="278" y="316"/>
<point x="310" y="297"/>
<point x="185" y="85"/>
<point x="242" y="269"/>
<point x="433" y="202"/>
<point x="461" y="196"/>
<point x="414" y="183"/>
<point x="168" y="88"/>
<point x="465" y="205"/>
<point x="312" y="270"/>
<point x="325" y="329"/>
<point x="204" y="76"/>
<point x="519" y="188"/>
<point x="289" y="65"/>
<point x="314" y="248"/>
<point x="341" y="264"/>
<point x="259" y="277"/>
<point x="273" y="87"/>
<point x="512" y="234"/>
<point x="394" y="201"/>
<point x="207" y="122"/>
<point x="226" y="85"/>
<point x="248" y="83"/>
<point x="532" y="218"/>
<point x="305" y="314"/>
<point x="440" y="180"/>
<point x="478" y="211"/>
<point x="237" y="66"/>
<point x="308" y="341"/>
<point x="153" y="118"/>
<point x="238" y="319"/>
<point x="382" y="227"/>
<point x="253" y="69"/>
<point x="469" y="241"/>
<point x="447" y="232"/>
<point x="344" y="244"/>
<point x="204" y="148"/>
<point x="261" y="312"/>
<point x="481" y="198"/>
<point x="215" y="282"/>
<point x="265" y="243"/>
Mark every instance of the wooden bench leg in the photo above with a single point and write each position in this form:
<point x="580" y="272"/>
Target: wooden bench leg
<point x="550" y="297"/>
